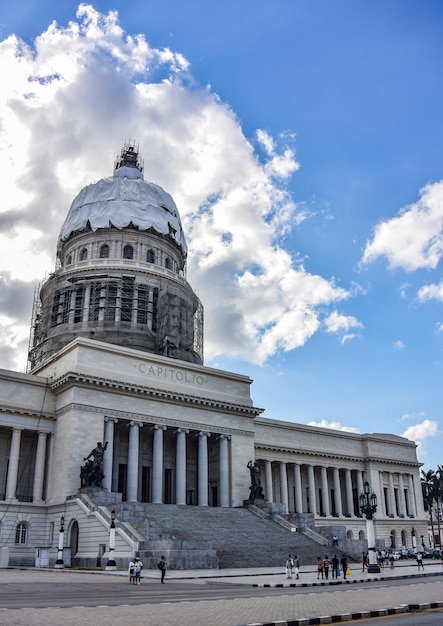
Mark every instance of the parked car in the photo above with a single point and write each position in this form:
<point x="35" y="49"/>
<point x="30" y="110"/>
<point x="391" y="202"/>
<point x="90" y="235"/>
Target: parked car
<point x="396" y="554"/>
<point x="432" y="554"/>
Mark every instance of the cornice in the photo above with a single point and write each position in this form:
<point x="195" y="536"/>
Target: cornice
<point x="129" y="416"/>
<point x="71" y="379"/>
<point x="332" y="457"/>
<point x="14" y="410"/>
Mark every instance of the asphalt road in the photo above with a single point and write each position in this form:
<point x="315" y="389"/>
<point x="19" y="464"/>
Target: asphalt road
<point x="36" y="598"/>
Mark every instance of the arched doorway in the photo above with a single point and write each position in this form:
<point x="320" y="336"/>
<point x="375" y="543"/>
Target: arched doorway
<point x="73" y="539"/>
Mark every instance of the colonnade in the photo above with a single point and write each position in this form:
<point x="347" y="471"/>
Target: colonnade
<point x="157" y="481"/>
<point x="333" y="491"/>
<point x="30" y="492"/>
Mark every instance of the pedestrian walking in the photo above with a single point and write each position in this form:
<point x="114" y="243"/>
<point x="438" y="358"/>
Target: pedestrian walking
<point x="320" y="569"/>
<point x="335" y="563"/>
<point x="420" y="561"/>
<point x="162" y="564"/>
<point x="289" y="566"/>
<point x="326" y="566"/>
<point x="296" y="566"/>
<point x="344" y="565"/>
<point x="138" y="566"/>
<point x="364" y="561"/>
<point x="131" y="572"/>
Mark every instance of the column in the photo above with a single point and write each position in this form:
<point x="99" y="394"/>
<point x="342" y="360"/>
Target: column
<point x="157" y="464"/>
<point x="108" y="458"/>
<point x="360" y="488"/>
<point x="414" y="492"/>
<point x="202" y="480"/>
<point x="337" y="493"/>
<point x="223" y="470"/>
<point x="391" y="497"/>
<point x="268" y="475"/>
<point x="284" y="486"/>
<point x="402" y="500"/>
<point x="14" y="455"/>
<point x="133" y="455"/>
<point x="85" y="315"/>
<point x="39" y="472"/>
<point x="298" y="492"/>
<point x="349" y="498"/>
<point x="325" y="491"/>
<point x="312" y="494"/>
<point x="180" y="466"/>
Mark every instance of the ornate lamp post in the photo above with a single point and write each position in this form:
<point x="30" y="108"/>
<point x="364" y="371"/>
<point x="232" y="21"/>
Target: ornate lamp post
<point x="59" y="564"/>
<point x="111" y="564"/>
<point x="414" y="540"/>
<point x="368" y="506"/>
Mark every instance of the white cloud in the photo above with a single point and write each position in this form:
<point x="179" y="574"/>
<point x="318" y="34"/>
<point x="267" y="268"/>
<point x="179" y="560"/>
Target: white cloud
<point x="399" y="345"/>
<point x="68" y="103"/>
<point x="408" y="416"/>
<point x="431" y="292"/>
<point x="334" y="426"/>
<point x="336" y="323"/>
<point x="420" y="432"/>
<point x="413" y="239"/>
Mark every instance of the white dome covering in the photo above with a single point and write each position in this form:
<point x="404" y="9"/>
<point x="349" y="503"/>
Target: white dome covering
<point x="124" y="199"/>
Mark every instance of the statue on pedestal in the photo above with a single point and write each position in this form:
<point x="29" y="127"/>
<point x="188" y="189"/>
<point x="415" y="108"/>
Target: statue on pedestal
<point x="256" y="491"/>
<point x="91" y="474"/>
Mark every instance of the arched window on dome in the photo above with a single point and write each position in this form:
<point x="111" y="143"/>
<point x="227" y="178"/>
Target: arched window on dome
<point x="83" y="255"/>
<point x="128" y="252"/>
<point x="104" y="251"/>
<point x="168" y="263"/>
<point x="150" y="256"/>
<point x="21" y="534"/>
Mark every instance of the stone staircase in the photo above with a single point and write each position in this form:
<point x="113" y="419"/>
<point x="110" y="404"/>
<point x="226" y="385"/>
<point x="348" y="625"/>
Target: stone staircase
<point x="193" y="537"/>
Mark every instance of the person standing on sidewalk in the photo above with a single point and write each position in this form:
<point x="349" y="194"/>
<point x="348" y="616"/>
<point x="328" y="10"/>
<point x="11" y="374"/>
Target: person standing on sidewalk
<point x="131" y="572"/>
<point x="344" y="565"/>
<point x="320" y="570"/>
<point x="335" y="563"/>
<point x="162" y="567"/>
<point x="420" y="561"/>
<point x="364" y="561"/>
<point x="326" y="566"/>
<point x="296" y="566"/>
<point x="289" y="566"/>
<point x="138" y="566"/>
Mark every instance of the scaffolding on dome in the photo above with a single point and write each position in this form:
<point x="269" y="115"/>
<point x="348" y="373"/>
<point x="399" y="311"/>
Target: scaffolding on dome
<point x="116" y="309"/>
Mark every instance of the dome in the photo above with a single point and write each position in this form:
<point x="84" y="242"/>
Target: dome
<point x="123" y="200"/>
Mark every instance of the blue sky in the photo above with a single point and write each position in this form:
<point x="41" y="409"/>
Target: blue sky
<point x="302" y="142"/>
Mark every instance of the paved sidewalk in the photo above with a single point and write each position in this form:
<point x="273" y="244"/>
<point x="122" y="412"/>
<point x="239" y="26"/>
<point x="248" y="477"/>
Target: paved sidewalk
<point x="337" y="603"/>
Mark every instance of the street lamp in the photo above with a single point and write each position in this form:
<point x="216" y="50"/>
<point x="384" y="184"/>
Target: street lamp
<point x="368" y="506"/>
<point x="59" y="564"/>
<point x="111" y="564"/>
<point x="414" y="540"/>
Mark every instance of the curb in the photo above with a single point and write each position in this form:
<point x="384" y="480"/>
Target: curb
<point x="346" y="582"/>
<point x="347" y="617"/>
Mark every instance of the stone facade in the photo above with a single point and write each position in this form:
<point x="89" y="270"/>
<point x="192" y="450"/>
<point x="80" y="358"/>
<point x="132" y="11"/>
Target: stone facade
<point x="116" y="356"/>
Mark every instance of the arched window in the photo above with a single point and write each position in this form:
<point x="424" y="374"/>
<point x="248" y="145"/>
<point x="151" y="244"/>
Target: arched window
<point x="104" y="251"/>
<point x="349" y="535"/>
<point x="150" y="256"/>
<point x="128" y="252"/>
<point x="21" y="534"/>
<point x="168" y="263"/>
<point x="83" y="255"/>
<point x="361" y="535"/>
<point x="403" y="538"/>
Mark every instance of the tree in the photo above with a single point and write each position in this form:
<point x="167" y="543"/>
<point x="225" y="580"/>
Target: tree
<point x="429" y="488"/>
